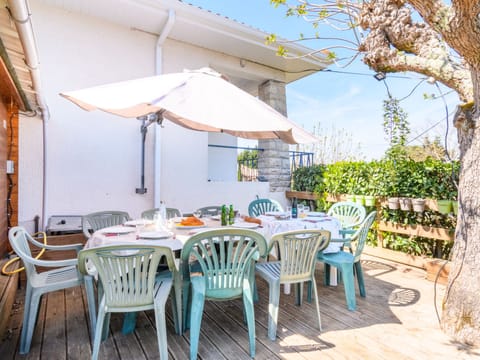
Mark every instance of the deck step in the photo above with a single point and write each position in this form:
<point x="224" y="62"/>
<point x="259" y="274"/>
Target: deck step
<point x="8" y="290"/>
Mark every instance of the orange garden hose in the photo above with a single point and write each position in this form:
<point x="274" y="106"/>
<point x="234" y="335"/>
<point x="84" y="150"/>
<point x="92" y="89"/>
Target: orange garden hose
<point x="11" y="261"/>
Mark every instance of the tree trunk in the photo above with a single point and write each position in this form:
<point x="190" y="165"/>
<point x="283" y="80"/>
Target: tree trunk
<point x="461" y="315"/>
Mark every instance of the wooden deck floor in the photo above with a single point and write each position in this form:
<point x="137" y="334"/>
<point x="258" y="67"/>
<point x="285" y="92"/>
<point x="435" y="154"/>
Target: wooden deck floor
<point x="395" y="321"/>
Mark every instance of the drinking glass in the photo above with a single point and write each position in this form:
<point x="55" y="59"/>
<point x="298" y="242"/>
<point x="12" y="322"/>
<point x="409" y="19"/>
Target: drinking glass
<point x="301" y="209"/>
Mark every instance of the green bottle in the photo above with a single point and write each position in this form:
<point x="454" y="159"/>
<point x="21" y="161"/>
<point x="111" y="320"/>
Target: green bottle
<point x="224" y="217"/>
<point x="231" y="215"/>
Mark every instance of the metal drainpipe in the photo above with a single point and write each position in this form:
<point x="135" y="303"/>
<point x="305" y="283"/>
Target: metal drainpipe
<point x="158" y="138"/>
<point x="22" y="17"/>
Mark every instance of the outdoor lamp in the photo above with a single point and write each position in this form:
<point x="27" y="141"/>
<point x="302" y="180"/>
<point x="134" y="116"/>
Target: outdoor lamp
<point x="380" y="76"/>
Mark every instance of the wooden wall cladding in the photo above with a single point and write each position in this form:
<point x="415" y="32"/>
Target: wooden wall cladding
<point x="3" y="180"/>
<point x="8" y="183"/>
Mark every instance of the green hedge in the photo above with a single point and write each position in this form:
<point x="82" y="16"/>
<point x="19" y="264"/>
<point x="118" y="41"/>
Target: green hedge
<point x="430" y="179"/>
<point x="427" y="179"/>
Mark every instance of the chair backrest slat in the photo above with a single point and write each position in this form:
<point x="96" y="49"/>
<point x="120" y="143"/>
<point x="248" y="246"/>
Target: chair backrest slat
<point x="210" y="210"/>
<point x="298" y="252"/>
<point x="150" y="213"/>
<point x="349" y="214"/>
<point x="262" y="206"/>
<point x="362" y="233"/>
<point x="102" y="219"/>
<point x="223" y="257"/>
<point x="127" y="272"/>
<point x="19" y="239"/>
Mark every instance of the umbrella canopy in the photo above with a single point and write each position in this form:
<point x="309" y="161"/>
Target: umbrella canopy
<point x="199" y="100"/>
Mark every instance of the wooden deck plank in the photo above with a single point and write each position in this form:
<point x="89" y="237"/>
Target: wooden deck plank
<point x="395" y="321"/>
<point x="54" y="339"/>
<point x="78" y="337"/>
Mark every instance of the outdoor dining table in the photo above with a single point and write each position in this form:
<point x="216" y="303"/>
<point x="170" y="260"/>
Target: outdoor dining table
<point x="174" y="236"/>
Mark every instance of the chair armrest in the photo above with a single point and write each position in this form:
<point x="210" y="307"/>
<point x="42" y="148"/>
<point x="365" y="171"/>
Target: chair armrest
<point x="53" y="263"/>
<point x="340" y="240"/>
<point x="347" y="231"/>
<point x="76" y="247"/>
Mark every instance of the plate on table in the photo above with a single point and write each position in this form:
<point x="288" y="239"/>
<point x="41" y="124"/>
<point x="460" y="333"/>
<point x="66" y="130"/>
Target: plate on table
<point x="155" y="235"/>
<point x="275" y="213"/>
<point x="118" y="230"/>
<point x="185" y="227"/>
<point x="245" y="225"/>
<point x="138" y="222"/>
<point x="316" y="214"/>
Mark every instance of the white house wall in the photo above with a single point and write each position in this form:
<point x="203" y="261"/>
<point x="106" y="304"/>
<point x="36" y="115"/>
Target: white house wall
<point x="93" y="158"/>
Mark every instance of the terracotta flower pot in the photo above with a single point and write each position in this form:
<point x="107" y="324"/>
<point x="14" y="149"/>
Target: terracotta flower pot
<point x="418" y="205"/>
<point x="393" y="203"/>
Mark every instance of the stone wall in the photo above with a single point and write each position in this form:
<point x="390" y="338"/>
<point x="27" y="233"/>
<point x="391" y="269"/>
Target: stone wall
<point x="274" y="161"/>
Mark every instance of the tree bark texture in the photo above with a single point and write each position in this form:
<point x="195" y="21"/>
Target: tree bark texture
<point x="461" y="310"/>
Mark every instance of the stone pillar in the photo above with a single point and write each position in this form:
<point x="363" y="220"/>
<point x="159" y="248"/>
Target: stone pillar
<point x="274" y="161"/>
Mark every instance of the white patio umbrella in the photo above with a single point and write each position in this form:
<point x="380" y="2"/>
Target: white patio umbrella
<point x="199" y="100"/>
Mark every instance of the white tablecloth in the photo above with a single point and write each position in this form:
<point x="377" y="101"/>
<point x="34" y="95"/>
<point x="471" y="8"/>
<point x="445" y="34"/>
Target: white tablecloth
<point x="271" y="226"/>
<point x="105" y="237"/>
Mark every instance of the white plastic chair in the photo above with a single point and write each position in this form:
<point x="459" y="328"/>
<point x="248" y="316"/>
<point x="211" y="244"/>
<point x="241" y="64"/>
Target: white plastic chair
<point x="130" y="283"/>
<point x="150" y="213"/>
<point x="65" y="276"/>
<point x="102" y="219"/>
<point x="350" y="215"/>
<point x="298" y="253"/>
<point x="261" y="206"/>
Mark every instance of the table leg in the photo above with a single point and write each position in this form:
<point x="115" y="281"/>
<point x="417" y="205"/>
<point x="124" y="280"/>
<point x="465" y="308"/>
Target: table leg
<point x="333" y="276"/>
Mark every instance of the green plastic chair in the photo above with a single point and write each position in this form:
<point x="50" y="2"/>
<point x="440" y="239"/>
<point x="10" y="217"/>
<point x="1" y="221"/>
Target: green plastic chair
<point x="130" y="283"/>
<point x="219" y="265"/>
<point x="102" y="219"/>
<point x="261" y="206"/>
<point x="65" y="275"/>
<point x="350" y="215"/>
<point x="171" y="213"/>
<point x="298" y="251"/>
<point x="349" y="264"/>
<point x="210" y="210"/>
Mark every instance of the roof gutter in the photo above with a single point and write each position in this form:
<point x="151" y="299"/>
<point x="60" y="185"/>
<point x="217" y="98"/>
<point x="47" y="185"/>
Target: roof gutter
<point x="158" y="135"/>
<point x="22" y="17"/>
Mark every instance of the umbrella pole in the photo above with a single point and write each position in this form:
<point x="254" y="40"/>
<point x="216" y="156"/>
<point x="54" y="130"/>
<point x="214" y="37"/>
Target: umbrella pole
<point x="143" y="132"/>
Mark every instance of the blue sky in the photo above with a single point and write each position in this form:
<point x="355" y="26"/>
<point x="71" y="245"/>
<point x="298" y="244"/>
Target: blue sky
<point x="340" y="100"/>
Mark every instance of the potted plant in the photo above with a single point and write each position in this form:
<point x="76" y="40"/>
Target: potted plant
<point x="405" y="203"/>
<point x="444" y="206"/>
<point x="369" y="200"/>
<point x="418" y="205"/>
<point x="393" y="203"/>
<point x="350" y="197"/>
<point x="360" y="199"/>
